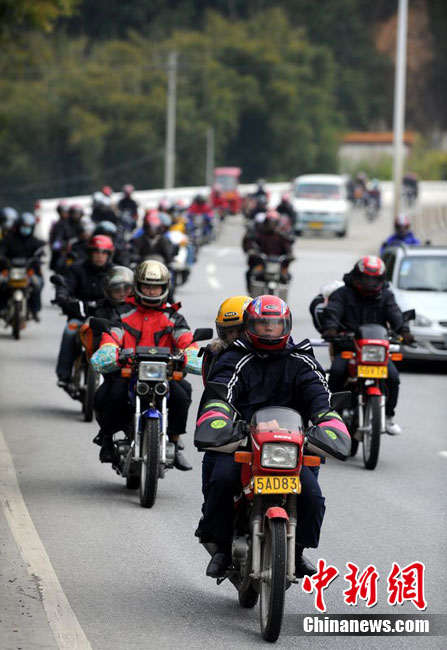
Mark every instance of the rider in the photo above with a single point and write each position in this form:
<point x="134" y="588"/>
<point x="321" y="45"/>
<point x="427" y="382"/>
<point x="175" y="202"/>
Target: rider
<point x="286" y="208"/>
<point x="20" y="242"/>
<point x="365" y="298"/>
<point x="402" y="234"/>
<point x="264" y="369"/>
<point x="152" y="321"/>
<point x="268" y="240"/>
<point x="60" y="233"/>
<point x="83" y="282"/>
<point x="152" y="243"/>
<point x="127" y="203"/>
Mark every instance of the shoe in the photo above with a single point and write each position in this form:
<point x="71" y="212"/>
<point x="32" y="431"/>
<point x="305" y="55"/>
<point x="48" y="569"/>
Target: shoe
<point x="180" y="461"/>
<point x="63" y="383"/>
<point x="218" y="565"/>
<point x="180" y="445"/>
<point x="392" y="428"/>
<point x="35" y="316"/>
<point x="303" y="566"/>
<point x="108" y="452"/>
<point x="97" y="440"/>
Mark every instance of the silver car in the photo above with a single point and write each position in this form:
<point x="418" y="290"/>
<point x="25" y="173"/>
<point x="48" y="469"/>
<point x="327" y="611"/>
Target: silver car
<point x="418" y="279"/>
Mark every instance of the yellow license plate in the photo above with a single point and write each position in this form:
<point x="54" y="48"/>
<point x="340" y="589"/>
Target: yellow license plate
<point x="380" y="372"/>
<point x="18" y="284"/>
<point x="318" y="225"/>
<point x="277" y="485"/>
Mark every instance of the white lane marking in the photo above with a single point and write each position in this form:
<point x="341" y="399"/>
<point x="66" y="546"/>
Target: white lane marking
<point x="211" y="277"/>
<point x="443" y="454"/>
<point x="224" y="251"/>
<point x="66" y="629"/>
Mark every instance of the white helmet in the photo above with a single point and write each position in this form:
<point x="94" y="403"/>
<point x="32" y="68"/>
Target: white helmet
<point x="154" y="273"/>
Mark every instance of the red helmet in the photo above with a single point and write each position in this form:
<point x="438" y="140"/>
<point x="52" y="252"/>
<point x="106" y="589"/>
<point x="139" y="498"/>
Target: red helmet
<point x="402" y="224"/>
<point x="152" y="223"/>
<point x="369" y="275"/>
<point x="267" y="323"/>
<point x="271" y="221"/>
<point x="101" y="243"/>
<point x="107" y="190"/>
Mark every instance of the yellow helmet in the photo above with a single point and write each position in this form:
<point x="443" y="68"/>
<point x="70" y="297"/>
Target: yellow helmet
<point x="230" y="314"/>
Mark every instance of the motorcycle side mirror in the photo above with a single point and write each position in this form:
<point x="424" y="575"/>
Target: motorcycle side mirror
<point x="99" y="325"/>
<point x="410" y="314"/>
<point x="343" y="399"/>
<point x="203" y="334"/>
<point x="58" y="280"/>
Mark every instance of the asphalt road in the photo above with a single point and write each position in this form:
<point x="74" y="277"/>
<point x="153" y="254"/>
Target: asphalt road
<point x="135" y="578"/>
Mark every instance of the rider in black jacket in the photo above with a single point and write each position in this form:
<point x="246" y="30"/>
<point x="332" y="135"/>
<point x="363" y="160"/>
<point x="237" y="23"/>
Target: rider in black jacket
<point x="264" y="369"/>
<point x="83" y="283"/>
<point x="365" y="298"/>
<point x="20" y="242"/>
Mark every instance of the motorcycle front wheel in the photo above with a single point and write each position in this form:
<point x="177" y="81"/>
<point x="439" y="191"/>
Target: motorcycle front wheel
<point x="150" y="461"/>
<point x="371" y="435"/>
<point x="273" y="578"/>
<point x="16" y="314"/>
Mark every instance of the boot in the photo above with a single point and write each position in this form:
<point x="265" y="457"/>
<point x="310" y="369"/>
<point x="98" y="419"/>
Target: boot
<point x="97" y="440"/>
<point x="180" y="461"/>
<point x="303" y="566"/>
<point x="108" y="452"/>
<point x="219" y="563"/>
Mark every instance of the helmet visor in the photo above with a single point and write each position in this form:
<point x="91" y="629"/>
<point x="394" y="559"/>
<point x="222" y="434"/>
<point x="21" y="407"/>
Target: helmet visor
<point x="269" y="328"/>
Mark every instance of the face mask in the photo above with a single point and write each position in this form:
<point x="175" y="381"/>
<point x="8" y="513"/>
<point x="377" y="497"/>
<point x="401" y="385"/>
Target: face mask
<point x="25" y="230"/>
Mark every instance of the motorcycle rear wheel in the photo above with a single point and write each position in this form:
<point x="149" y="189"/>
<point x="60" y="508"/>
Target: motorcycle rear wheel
<point x="273" y="580"/>
<point x="16" y="319"/>
<point x="371" y="435"/>
<point x="150" y="461"/>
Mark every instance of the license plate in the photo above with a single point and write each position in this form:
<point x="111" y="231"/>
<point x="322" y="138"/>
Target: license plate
<point x="277" y="485"/>
<point x="380" y="372"/>
<point x="318" y="225"/>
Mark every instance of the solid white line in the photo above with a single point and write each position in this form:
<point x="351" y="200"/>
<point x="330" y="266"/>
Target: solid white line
<point x="63" y="623"/>
<point x="443" y="454"/>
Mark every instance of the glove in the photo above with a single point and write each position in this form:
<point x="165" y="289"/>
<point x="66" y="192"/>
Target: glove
<point x="408" y="338"/>
<point x="71" y="308"/>
<point x="330" y="334"/>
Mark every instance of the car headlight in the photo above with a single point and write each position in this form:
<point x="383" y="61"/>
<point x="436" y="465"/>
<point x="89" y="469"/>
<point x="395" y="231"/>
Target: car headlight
<point x="373" y="353"/>
<point x="282" y="456"/>
<point x="150" y="371"/>
<point x="422" y="321"/>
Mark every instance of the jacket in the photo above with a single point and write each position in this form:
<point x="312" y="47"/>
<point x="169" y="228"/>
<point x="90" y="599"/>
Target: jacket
<point x="347" y="309"/>
<point x="15" y="245"/>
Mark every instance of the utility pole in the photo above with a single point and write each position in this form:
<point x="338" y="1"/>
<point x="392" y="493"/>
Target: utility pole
<point x="171" y="105"/>
<point x="209" y="156"/>
<point x="399" y="103"/>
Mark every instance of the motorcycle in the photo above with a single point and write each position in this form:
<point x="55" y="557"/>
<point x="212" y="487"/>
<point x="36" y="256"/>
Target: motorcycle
<point x="371" y="347"/>
<point x="19" y="278"/>
<point x="84" y="381"/>
<point x="269" y="280"/>
<point x="181" y="264"/>
<point x="266" y="514"/>
<point x="145" y="453"/>
<point x="371" y="207"/>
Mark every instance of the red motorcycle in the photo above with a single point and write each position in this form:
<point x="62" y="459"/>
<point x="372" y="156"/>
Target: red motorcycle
<point x="367" y="372"/>
<point x="263" y="547"/>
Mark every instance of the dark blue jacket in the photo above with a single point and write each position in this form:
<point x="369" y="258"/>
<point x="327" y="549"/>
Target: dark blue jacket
<point x="291" y="377"/>
<point x="396" y="239"/>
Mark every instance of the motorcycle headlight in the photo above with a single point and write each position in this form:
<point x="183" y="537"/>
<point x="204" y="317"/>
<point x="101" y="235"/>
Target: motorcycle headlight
<point x="150" y="371"/>
<point x="373" y="353"/>
<point x="282" y="456"/>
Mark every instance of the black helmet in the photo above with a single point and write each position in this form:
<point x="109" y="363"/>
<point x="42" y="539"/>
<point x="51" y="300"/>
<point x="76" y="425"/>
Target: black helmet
<point x="118" y="283"/>
<point x="106" y="228"/>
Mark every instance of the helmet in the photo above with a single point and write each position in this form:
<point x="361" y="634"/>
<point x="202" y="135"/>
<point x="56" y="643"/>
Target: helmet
<point x="106" y="228"/>
<point x="402" y="224"/>
<point x="101" y="243"/>
<point x="230" y="314"/>
<point x="273" y="314"/>
<point x="152" y="223"/>
<point x="151" y="272"/>
<point x="271" y="221"/>
<point x="84" y="228"/>
<point x="369" y="275"/>
<point x="128" y="189"/>
<point x="25" y="224"/>
<point x="75" y="211"/>
<point x="285" y="196"/>
<point x="260" y="183"/>
<point x="107" y="190"/>
<point x="62" y="207"/>
<point x="118" y="278"/>
<point x="8" y="217"/>
<point x="200" y="199"/>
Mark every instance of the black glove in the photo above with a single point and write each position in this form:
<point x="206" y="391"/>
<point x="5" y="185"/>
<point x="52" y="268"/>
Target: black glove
<point x="330" y="334"/>
<point x="408" y="338"/>
<point x="70" y="308"/>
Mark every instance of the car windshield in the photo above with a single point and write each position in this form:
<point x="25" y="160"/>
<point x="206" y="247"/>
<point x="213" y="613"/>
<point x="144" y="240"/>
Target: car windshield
<point x="227" y="182"/>
<point x="424" y="273"/>
<point x="276" y="418"/>
<point x="317" y="191"/>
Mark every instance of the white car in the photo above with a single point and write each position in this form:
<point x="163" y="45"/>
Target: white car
<point x="321" y="204"/>
<point x="418" y="279"/>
